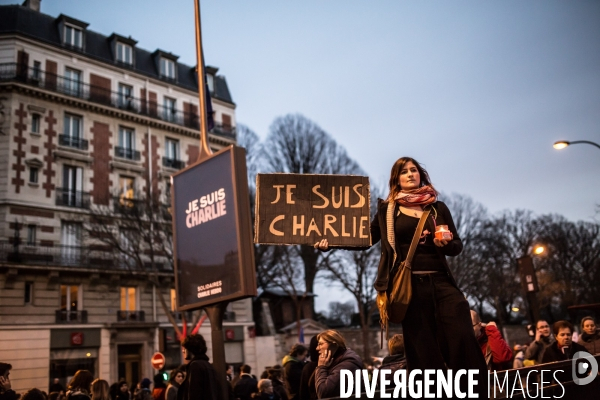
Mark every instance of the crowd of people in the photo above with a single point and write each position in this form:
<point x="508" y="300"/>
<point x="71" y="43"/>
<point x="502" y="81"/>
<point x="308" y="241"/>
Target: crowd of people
<point x="308" y="373"/>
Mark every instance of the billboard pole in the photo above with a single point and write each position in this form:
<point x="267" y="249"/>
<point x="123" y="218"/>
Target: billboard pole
<point x="215" y="312"/>
<point x="205" y="150"/>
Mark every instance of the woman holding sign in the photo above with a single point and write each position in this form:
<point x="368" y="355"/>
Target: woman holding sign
<point x="436" y="322"/>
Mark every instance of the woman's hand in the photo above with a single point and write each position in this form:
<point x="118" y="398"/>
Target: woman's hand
<point x="324" y="359"/>
<point x="440" y="243"/>
<point x="323" y="245"/>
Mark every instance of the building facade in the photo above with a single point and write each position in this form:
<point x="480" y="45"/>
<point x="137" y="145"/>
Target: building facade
<point x="86" y="121"/>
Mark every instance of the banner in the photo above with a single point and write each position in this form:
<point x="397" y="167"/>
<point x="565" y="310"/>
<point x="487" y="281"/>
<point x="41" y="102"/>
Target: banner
<point x="304" y="208"/>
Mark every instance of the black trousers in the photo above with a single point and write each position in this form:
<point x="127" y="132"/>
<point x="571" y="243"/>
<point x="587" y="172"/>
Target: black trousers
<point x="438" y="333"/>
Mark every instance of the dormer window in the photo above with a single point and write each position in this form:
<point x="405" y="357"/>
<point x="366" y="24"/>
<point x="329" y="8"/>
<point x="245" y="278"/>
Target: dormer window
<point x="210" y="81"/>
<point x="73" y="36"/>
<point x="167" y="68"/>
<point x="124" y="53"/>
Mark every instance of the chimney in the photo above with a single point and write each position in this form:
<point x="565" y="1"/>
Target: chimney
<point x="32" y="4"/>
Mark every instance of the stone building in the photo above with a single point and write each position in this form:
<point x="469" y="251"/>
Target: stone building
<point x="87" y="120"/>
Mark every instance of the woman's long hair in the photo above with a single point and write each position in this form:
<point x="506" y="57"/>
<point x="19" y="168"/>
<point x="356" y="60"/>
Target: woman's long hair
<point x="100" y="390"/>
<point x="82" y="380"/>
<point x="395" y="176"/>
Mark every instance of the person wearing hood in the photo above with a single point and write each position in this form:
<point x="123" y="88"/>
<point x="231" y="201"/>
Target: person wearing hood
<point x="292" y="370"/>
<point x="334" y="357"/>
<point x="307" y="380"/>
<point x="542" y="341"/>
<point x="590" y="338"/>
<point x="496" y="351"/>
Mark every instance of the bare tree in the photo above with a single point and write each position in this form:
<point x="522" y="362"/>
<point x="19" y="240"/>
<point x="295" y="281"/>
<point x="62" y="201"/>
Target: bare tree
<point x="297" y="145"/>
<point x="138" y="232"/>
<point x="341" y="312"/>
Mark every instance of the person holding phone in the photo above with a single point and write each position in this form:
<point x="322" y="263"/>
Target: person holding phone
<point x="334" y="356"/>
<point x="437" y="325"/>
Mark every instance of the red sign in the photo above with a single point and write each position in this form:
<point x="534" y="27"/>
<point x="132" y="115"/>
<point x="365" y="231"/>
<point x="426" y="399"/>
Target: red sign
<point x="229" y="334"/>
<point x="76" y="338"/>
<point x="158" y="361"/>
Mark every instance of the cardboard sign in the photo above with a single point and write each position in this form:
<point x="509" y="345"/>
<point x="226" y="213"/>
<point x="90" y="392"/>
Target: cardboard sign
<point x="214" y="255"/>
<point x="303" y="209"/>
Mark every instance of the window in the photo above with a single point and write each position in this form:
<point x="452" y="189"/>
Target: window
<point x="70" y="239"/>
<point x="73" y="83"/>
<point x="124" y="53"/>
<point x="28" y="295"/>
<point x="128" y="298"/>
<point x="167" y="68"/>
<point x="70" y="298"/>
<point x="31" y="233"/>
<point x="35" y="123"/>
<point x="210" y="81"/>
<point x="126" y="191"/>
<point x="170" y="111"/>
<point x="33" y="174"/>
<point x="126" y="147"/>
<point x="125" y="96"/>
<point x="71" y="194"/>
<point x="73" y="130"/>
<point x="73" y="36"/>
<point x="173" y="300"/>
<point x="36" y="74"/>
<point x="172" y="149"/>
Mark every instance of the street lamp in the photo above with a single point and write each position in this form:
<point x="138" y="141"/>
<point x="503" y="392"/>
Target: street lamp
<point x="561" y="144"/>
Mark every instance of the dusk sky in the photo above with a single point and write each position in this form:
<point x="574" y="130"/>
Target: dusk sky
<point x="476" y="90"/>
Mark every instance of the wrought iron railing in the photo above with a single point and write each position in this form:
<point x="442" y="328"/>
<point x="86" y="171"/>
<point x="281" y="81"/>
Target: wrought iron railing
<point x="130" y="316"/>
<point x="71" y="141"/>
<point x="72" y="198"/>
<point x="173" y="163"/>
<point x="127" y="153"/>
<point x="70" y="317"/>
<point x="100" y="95"/>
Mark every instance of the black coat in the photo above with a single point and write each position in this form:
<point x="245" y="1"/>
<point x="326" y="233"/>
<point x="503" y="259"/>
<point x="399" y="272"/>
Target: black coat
<point x="200" y="382"/>
<point x="244" y="388"/>
<point x="292" y="374"/>
<point x="553" y="353"/>
<point x="379" y="232"/>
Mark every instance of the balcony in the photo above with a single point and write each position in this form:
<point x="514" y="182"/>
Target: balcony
<point x="50" y="254"/>
<point x="74" y="142"/>
<point x="130" y="316"/>
<point x="173" y="163"/>
<point x="127" y="153"/>
<point x="72" y="198"/>
<point x="13" y="72"/>
<point x="70" y="317"/>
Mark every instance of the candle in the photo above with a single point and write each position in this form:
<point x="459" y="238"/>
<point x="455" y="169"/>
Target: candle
<point x="442" y="232"/>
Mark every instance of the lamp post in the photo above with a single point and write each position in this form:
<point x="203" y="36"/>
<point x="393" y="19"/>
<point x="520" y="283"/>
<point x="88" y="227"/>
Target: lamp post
<point x="529" y="283"/>
<point x="561" y="144"/>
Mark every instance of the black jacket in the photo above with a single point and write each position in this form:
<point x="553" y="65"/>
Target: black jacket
<point x="327" y="379"/>
<point x="379" y="232"/>
<point x="553" y="353"/>
<point x="244" y="388"/>
<point x="292" y="374"/>
<point x="200" y="382"/>
<point x="394" y="363"/>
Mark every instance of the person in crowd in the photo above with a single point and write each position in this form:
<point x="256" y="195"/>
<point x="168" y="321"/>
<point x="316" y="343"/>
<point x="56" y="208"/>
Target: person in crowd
<point x="229" y="373"/>
<point x="247" y="384"/>
<point x="100" y="390"/>
<point x="265" y="373"/>
<point x="308" y="390"/>
<point x="519" y="351"/>
<point x="274" y="375"/>
<point x="437" y="304"/>
<point x="397" y="359"/>
<point x="158" y="393"/>
<point x="80" y="386"/>
<point x="590" y="337"/>
<point x="542" y="340"/>
<point x="122" y="392"/>
<point x="34" y="394"/>
<point x="494" y="348"/>
<point x="201" y="381"/>
<point x="265" y="391"/>
<point x="175" y="381"/>
<point x="563" y="347"/>
<point x="292" y="369"/>
<point x="56" y="386"/>
<point x="55" y="396"/>
<point x="334" y="356"/>
<point x="143" y="391"/>
<point x="6" y="392"/>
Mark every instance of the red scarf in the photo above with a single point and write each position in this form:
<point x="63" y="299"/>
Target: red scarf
<point x="417" y="197"/>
